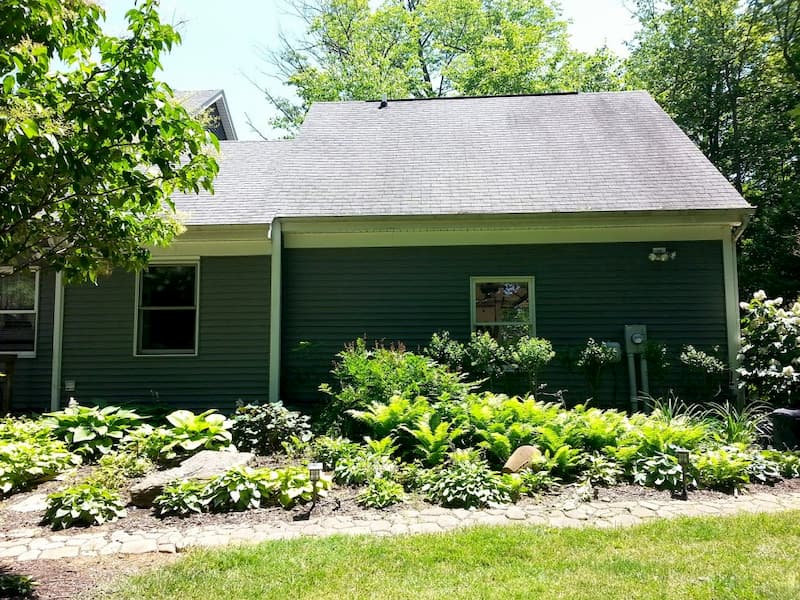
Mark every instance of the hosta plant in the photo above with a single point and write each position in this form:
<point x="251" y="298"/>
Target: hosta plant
<point x="264" y="428"/>
<point x="239" y="488"/>
<point x="763" y="470"/>
<point x="191" y="433"/>
<point x="28" y="454"/>
<point x="181" y="498"/>
<point x="661" y="471"/>
<point x="381" y="493"/>
<point x="465" y="483"/>
<point x="788" y="462"/>
<point x="92" y="431"/>
<point x="292" y="485"/>
<point x="83" y="504"/>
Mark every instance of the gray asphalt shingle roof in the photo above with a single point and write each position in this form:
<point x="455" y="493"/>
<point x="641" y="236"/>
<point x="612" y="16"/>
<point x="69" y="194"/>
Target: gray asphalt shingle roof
<point x="498" y="155"/>
<point x="195" y="100"/>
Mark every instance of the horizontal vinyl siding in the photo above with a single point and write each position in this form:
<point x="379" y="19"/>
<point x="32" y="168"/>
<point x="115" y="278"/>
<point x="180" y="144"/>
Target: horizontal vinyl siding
<point x="332" y="296"/>
<point x="31" y="384"/>
<point x="232" y="361"/>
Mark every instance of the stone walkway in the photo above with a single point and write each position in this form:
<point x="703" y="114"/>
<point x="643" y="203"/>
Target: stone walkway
<point x="35" y="544"/>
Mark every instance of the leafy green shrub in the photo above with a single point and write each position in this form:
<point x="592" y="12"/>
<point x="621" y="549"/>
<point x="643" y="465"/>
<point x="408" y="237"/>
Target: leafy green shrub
<point x="181" y="498"/>
<point x="381" y="493"/>
<point x="769" y="353"/>
<point x="411" y="475"/>
<point x="594" y="359"/>
<point x="191" y="433"/>
<point x="329" y="450"/>
<point x="530" y="355"/>
<point x="725" y="468"/>
<point x="17" y="586"/>
<point x="116" y="468"/>
<point x="365" y="377"/>
<point x="83" y="504"/>
<point x="29" y="454"/>
<point x="465" y="483"/>
<point x="446" y="351"/>
<point x="602" y="470"/>
<point x="660" y="471"/>
<point x="263" y="428"/>
<point x="92" y="431"/>
<point x="239" y="488"/>
<point x="362" y="467"/>
<point x="485" y="357"/>
<point x="705" y="372"/>
<point x="538" y="481"/>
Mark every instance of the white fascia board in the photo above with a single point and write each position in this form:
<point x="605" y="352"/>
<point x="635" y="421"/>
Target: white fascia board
<point x="217" y="240"/>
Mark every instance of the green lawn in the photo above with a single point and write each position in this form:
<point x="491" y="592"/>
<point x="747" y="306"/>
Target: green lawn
<point x="750" y="556"/>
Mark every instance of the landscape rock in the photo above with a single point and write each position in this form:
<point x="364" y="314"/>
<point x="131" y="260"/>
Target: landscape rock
<point x="203" y="465"/>
<point x="523" y="457"/>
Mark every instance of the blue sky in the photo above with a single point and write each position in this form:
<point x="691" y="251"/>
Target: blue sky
<point x="223" y="42"/>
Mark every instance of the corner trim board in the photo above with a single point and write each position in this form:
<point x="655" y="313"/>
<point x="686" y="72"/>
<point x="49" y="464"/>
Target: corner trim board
<point x="274" y="371"/>
<point x="58" y="336"/>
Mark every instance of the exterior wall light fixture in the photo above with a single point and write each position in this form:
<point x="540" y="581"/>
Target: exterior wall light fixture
<point x="661" y="255"/>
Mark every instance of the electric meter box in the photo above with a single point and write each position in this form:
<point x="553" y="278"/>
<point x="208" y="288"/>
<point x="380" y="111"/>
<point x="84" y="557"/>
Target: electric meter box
<point x="635" y="338"/>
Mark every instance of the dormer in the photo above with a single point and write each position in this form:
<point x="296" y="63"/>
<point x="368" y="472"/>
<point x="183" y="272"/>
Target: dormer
<point x="211" y="104"/>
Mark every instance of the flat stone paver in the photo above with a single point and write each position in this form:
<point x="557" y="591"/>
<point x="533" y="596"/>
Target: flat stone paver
<point x="35" y="544"/>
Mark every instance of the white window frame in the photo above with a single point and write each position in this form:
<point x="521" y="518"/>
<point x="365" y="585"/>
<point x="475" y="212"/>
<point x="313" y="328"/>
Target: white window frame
<point x="35" y="312"/>
<point x="193" y="262"/>
<point x="530" y="279"/>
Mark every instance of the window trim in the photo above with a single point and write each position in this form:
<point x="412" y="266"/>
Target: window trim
<point x="35" y="313"/>
<point x="490" y="278"/>
<point x="193" y="262"/>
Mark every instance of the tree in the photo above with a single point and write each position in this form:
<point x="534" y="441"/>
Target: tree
<point x="723" y="70"/>
<point x="431" y="48"/>
<point x="92" y="144"/>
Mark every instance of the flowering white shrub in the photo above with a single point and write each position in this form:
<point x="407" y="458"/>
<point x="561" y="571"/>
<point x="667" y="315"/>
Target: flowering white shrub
<point x="769" y="354"/>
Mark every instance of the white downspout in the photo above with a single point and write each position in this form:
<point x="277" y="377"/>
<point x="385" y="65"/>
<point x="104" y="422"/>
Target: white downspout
<point x="274" y="374"/>
<point x="732" y="309"/>
<point x="58" y="332"/>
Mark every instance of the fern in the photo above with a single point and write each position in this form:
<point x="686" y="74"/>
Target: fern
<point x="433" y="438"/>
<point x="385" y="419"/>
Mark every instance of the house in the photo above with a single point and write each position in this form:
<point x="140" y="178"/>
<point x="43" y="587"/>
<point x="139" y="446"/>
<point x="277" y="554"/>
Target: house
<point x="568" y="216"/>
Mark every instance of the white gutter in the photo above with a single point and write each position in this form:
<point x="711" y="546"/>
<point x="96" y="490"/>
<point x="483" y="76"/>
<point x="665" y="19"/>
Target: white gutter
<point x="58" y="331"/>
<point x="274" y="374"/>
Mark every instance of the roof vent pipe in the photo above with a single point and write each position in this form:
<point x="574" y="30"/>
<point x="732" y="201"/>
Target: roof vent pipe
<point x="384" y="102"/>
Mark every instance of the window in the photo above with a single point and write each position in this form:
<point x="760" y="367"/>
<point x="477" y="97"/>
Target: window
<point x="19" y="295"/>
<point x="503" y="306"/>
<point x="166" y="313"/>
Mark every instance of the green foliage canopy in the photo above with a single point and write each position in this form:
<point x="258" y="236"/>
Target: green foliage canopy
<point x="726" y="71"/>
<point x="92" y="144"/>
<point x="355" y="50"/>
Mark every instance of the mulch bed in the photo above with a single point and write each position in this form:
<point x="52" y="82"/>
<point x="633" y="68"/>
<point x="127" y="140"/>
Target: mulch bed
<point x="80" y="577"/>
